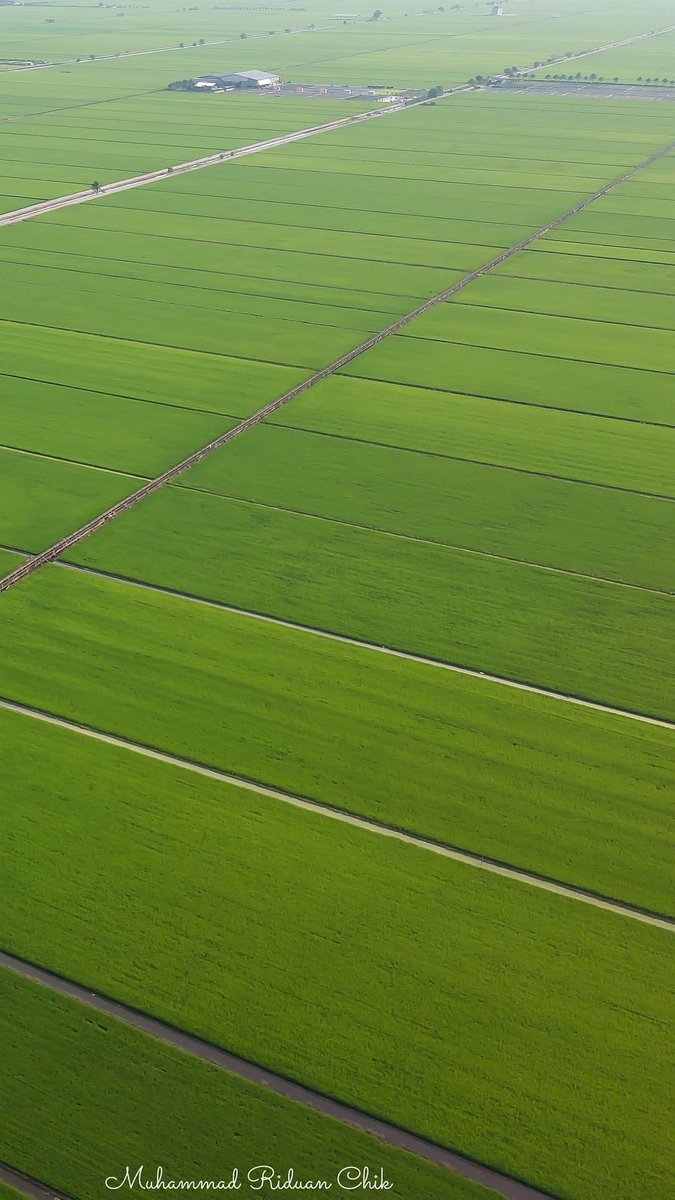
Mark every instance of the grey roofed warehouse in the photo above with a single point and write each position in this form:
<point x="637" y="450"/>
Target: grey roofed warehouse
<point x="242" y="79"/>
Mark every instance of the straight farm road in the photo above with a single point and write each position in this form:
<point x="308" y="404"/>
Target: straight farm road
<point x="457" y="1164"/>
<point x="44" y="207"/>
<point x="175" y="49"/>
<point x="59" y="548"/>
<point x="330" y="28"/>
<point x="466" y="857"/>
<point x="27" y="1186"/>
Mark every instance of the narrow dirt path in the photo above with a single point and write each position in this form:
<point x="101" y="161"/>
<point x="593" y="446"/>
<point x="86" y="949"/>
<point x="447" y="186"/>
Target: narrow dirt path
<point x="467" y="857"/>
<point x="467" y="1168"/>
<point x="55" y="551"/>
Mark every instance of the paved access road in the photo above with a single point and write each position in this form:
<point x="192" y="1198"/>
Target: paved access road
<point x="27" y="1185"/>
<point x="502" y="1185"/>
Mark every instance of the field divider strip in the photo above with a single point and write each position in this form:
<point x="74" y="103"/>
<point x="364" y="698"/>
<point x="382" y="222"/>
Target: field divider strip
<point x="268" y="410"/>
<point x="346" y="817"/>
<point x="393" y="1135"/>
<point x="568" y="316"/>
<point x="72" y="462"/>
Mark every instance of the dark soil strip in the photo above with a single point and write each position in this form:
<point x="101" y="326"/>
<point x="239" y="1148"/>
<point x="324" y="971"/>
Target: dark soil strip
<point x="65" y="544"/>
<point x="512" y="1189"/>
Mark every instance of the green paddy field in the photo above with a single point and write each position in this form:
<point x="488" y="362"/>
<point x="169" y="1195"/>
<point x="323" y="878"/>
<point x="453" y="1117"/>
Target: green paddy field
<point x="432" y="593"/>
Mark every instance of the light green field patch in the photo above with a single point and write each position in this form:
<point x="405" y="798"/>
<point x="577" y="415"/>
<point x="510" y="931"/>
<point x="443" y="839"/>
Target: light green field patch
<point x="270" y="236"/>
<point x="579" y="636"/>
<point x="558" y="337"/>
<point x="391" y="278"/>
<point x="599" y="304"/>
<point x="526" y="378"/>
<point x="155" y="323"/>
<point x="135" y="278"/>
<point x="546" y="441"/>
<point x="103" y="430"/>
<point x="99" y="288"/>
<point x="137" y="370"/>
<point x="511" y="514"/>
<point x="575" y="794"/>
<point x="543" y="261"/>
<point x="353" y="217"/>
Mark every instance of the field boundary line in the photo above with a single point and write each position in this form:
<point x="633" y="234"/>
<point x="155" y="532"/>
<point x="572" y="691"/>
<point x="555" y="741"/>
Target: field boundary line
<point x="393" y="1135"/>
<point x="361" y="643"/>
<point x="561" y="316"/>
<point x="436" y="341"/>
<point x="46" y="112"/>
<point x="582" y="283"/>
<point x="28" y="1185"/>
<point x="346" y="817"/>
<point x="60" y="547"/>
<point x="74" y="387"/>
<point x="451" y="392"/>
<point x="73" y="462"/>
<point x="472" y="462"/>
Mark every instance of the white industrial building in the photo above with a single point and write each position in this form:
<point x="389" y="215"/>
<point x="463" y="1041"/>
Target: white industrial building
<point x="237" y="79"/>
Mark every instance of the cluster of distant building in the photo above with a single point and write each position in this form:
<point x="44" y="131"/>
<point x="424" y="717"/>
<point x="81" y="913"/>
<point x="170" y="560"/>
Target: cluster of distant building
<point x="266" y="81"/>
<point x="233" y="81"/>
